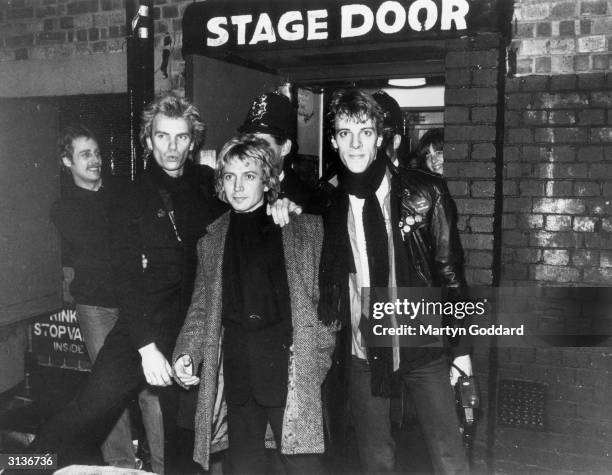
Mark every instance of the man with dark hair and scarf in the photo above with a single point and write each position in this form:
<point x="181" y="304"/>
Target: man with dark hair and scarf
<point x="364" y="247"/>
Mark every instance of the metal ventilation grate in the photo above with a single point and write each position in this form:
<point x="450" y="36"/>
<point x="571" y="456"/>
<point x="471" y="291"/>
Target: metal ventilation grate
<point x="521" y="404"/>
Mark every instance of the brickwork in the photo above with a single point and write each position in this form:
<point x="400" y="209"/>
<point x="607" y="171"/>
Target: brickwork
<point x="562" y="36"/>
<point x="557" y="153"/>
<point x="577" y="436"/>
<point x="557" y="192"/>
<point x="469" y="135"/>
<point x="47" y="29"/>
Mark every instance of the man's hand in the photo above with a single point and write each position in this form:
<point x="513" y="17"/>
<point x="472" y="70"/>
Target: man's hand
<point x="462" y="362"/>
<point x="183" y="372"/>
<point x="155" y="366"/>
<point x="281" y="209"/>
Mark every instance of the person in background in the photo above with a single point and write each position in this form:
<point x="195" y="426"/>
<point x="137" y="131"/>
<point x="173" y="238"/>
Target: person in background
<point x="255" y="304"/>
<point x="82" y="219"/>
<point x="430" y="151"/>
<point x="154" y="226"/>
<point x="394" y="142"/>
<point x="273" y="117"/>
<point x="390" y="227"/>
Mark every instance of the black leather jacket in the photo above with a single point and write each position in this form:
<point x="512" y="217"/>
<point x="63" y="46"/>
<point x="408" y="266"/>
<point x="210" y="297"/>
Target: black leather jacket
<point x="425" y="221"/>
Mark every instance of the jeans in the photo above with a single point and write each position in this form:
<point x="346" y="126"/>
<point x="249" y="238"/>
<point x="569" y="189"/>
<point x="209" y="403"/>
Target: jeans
<point x="96" y="323"/>
<point x="115" y="378"/>
<point x="435" y="405"/>
<point x="247" y="430"/>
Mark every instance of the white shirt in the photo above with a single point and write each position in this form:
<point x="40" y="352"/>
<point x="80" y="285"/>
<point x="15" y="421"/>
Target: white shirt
<point x="362" y="276"/>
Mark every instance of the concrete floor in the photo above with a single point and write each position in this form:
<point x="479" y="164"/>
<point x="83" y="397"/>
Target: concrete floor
<point x="22" y="412"/>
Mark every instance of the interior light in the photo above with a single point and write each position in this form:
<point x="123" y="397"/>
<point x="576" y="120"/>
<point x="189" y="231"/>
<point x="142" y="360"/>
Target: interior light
<point x="407" y="82"/>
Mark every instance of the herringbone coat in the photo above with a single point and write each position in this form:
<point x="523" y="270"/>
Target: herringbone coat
<point x="313" y="342"/>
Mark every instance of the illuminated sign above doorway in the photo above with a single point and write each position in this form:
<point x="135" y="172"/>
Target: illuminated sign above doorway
<point x="215" y="27"/>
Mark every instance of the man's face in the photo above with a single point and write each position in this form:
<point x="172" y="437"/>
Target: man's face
<point x="280" y="150"/>
<point x="170" y="143"/>
<point x="85" y="163"/>
<point x="243" y="184"/>
<point x="356" y="141"/>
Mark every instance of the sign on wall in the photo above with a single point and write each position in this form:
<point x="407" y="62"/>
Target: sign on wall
<point x="217" y="26"/>
<point x="56" y="337"/>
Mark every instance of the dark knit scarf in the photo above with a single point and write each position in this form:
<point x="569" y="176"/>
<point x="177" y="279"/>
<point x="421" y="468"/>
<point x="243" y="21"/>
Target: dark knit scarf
<point x="337" y="260"/>
<point x="255" y="288"/>
<point x="364" y="185"/>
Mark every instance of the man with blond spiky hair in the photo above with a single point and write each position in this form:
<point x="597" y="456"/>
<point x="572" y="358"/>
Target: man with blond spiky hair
<point x="155" y="225"/>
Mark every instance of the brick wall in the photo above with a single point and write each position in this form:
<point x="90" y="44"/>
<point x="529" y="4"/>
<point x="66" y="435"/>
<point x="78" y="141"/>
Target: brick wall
<point x="470" y="116"/>
<point x="562" y="36"/>
<point x="46" y="29"/>
<point x="557" y="231"/>
<point x="558" y="180"/>
<point x="71" y="34"/>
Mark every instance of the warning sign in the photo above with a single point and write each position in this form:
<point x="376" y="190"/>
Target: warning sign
<point x="56" y="337"/>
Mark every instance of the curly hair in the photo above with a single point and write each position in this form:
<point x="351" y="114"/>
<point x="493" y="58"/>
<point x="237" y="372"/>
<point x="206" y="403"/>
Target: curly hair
<point x="356" y="104"/>
<point x="174" y="107"/>
<point x="245" y="148"/>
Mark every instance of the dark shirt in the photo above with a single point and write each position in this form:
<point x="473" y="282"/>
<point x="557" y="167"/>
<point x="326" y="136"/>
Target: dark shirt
<point x="82" y="218"/>
<point x="256" y="311"/>
<point x="155" y="259"/>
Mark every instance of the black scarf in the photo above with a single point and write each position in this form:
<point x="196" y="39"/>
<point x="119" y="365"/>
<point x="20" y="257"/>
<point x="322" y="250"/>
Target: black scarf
<point x="337" y="260"/>
<point x="364" y="185"/>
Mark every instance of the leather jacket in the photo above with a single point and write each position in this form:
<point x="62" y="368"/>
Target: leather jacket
<point x="426" y="217"/>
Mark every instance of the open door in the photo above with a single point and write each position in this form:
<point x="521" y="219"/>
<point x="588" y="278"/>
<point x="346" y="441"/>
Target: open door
<point x="223" y="93"/>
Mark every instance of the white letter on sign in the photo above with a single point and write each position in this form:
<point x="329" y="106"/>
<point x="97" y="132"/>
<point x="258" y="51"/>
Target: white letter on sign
<point x="399" y="15"/>
<point x="430" y="18"/>
<point x="454" y="10"/>
<point x="317" y="30"/>
<point x="214" y="27"/>
<point x="286" y="30"/>
<point x="264" y="31"/>
<point x="347" y="12"/>
<point x="241" y="21"/>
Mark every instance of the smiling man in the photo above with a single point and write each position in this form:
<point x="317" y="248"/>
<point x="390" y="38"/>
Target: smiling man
<point x="389" y="228"/>
<point x="255" y="303"/>
<point x="155" y="224"/>
<point x="82" y="218"/>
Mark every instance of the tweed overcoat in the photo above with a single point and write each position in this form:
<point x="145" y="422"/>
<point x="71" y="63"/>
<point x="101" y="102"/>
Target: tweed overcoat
<point x="313" y="342"/>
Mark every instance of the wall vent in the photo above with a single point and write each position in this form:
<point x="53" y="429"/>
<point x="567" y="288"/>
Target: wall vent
<point x="521" y="404"/>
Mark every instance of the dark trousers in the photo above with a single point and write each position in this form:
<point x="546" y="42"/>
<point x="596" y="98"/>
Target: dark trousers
<point x="247" y="430"/>
<point x="115" y="378"/>
<point x="435" y="405"/>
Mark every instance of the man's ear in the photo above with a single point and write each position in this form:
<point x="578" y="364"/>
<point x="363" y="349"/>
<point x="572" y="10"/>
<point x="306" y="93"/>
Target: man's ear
<point x="149" y="143"/>
<point x="66" y="161"/>
<point x="286" y="148"/>
<point x="379" y="141"/>
<point x="334" y="143"/>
